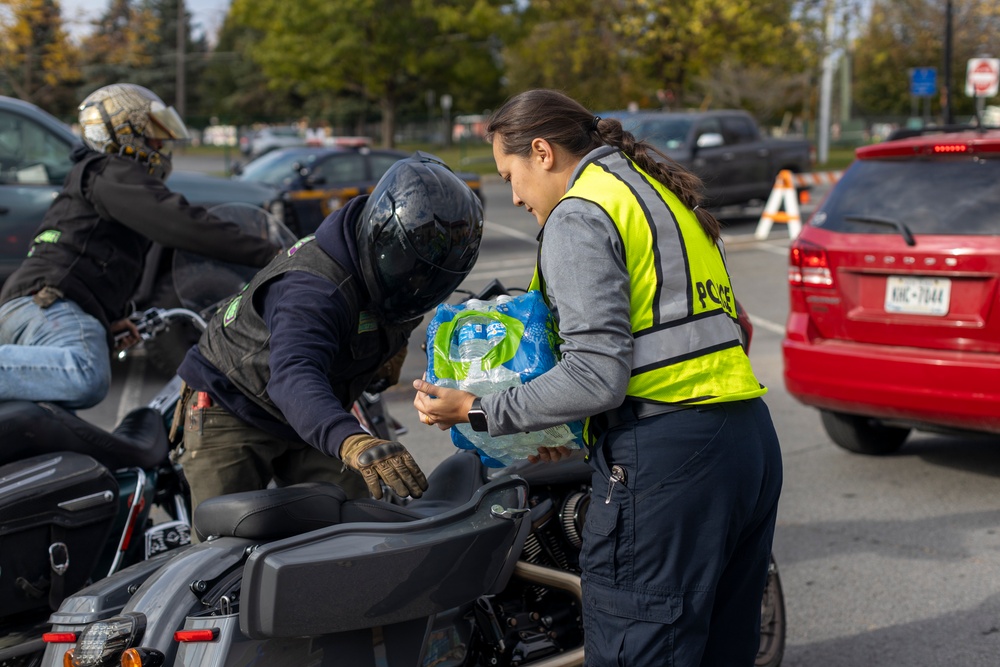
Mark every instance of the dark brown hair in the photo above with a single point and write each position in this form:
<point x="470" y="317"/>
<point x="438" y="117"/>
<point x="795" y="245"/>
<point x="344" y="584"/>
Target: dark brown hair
<point x="561" y="120"/>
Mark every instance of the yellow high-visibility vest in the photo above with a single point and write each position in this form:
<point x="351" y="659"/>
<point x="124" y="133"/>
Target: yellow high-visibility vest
<point x="687" y="347"/>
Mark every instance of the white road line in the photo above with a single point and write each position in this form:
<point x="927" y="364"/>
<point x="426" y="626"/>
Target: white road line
<point x="528" y="260"/>
<point x="775" y="250"/>
<point x="132" y="390"/>
<point x="523" y="272"/>
<point x="767" y="325"/>
<point x="513" y="233"/>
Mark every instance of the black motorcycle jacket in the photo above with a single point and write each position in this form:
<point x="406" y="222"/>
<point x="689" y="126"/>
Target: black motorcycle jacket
<point x="92" y="242"/>
<point x="300" y="343"/>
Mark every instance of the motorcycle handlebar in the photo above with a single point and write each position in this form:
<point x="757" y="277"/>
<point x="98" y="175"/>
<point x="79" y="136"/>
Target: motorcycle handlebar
<point x="154" y="321"/>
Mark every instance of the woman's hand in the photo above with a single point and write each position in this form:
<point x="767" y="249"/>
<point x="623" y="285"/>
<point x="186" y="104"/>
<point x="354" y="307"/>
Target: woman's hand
<point x="441" y="407"/>
<point x="551" y="454"/>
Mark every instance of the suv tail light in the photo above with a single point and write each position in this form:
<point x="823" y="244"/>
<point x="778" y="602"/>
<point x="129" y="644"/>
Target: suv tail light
<point x="807" y="265"/>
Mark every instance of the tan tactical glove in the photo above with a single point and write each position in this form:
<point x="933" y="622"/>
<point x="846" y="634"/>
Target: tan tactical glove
<point x="384" y="459"/>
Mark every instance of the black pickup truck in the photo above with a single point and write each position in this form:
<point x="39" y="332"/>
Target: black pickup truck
<point x="725" y="148"/>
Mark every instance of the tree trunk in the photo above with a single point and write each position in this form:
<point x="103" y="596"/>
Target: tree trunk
<point x="387" y="104"/>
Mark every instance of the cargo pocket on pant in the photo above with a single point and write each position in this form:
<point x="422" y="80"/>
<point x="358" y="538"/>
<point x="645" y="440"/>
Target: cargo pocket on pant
<point x="598" y="554"/>
<point x="633" y="628"/>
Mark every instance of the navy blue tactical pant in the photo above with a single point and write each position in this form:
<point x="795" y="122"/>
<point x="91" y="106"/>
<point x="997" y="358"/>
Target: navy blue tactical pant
<point x="675" y="557"/>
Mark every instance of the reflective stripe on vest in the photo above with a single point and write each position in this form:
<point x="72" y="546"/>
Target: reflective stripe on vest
<point x="687" y="346"/>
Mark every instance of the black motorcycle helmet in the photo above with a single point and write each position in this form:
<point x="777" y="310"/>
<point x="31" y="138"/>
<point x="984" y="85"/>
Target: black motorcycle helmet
<point x="418" y="236"/>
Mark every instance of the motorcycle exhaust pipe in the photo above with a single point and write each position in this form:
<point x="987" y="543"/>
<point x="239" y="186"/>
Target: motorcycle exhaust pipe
<point x="566" y="581"/>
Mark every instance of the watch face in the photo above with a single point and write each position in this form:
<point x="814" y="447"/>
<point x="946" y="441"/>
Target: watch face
<point x="477" y="418"/>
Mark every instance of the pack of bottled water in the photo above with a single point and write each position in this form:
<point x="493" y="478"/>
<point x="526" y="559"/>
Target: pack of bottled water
<point x="487" y="346"/>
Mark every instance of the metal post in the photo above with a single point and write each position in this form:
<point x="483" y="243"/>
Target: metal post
<point x="825" y="91"/>
<point x="181" y="36"/>
<point x="949" y="117"/>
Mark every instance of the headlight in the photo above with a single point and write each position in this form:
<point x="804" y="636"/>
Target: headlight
<point x="103" y="642"/>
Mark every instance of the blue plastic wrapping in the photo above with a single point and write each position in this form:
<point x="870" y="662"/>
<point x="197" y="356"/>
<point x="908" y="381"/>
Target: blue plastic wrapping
<point x="487" y="346"/>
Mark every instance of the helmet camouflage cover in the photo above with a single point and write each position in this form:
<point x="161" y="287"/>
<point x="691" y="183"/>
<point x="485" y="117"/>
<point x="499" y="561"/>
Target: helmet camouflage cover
<point x="123" y="117"/>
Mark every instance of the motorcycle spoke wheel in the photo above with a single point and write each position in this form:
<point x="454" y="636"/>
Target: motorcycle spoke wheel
<point x="772" y="621"/>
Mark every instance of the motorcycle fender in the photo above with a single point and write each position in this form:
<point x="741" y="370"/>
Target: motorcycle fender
<point x="169" y="596"/>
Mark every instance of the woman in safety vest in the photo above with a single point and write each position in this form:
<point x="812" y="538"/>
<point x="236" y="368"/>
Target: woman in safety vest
<point x="687" y="467"/>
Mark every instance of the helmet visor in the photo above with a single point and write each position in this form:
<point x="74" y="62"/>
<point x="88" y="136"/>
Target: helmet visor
<point x="167" y="124"/>
<point x="413" y="283"/>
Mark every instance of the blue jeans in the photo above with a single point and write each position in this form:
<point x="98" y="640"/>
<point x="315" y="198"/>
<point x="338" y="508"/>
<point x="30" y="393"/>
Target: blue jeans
<point x="57" y="354"/>
<point x="675" y="556"/>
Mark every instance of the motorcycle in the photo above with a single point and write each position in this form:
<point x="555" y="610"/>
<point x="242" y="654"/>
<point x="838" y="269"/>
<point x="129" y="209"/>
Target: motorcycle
<point x="483" y="569"/>
<point x="77" y="504"/>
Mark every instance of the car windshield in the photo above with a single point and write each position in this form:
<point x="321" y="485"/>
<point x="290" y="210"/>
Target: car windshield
<point x="664" y="133"/>
<point x="277" y="168"/>
<point x="927" y="196"/>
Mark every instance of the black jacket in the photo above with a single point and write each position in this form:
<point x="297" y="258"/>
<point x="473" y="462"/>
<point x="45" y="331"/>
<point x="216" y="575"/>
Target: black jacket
<point x="314" y="350"/>
<point x="93" y="240"/>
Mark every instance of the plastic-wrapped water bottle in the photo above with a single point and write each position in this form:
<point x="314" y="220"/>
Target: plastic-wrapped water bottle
<point x="500" y="376"/>
<point x="472" y="346"/>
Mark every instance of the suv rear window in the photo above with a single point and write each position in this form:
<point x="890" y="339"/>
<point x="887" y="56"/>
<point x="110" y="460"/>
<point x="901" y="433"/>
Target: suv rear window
<point x="950" y="196"/>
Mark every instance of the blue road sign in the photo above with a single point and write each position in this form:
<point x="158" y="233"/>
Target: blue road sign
<point x="923" y="81"/>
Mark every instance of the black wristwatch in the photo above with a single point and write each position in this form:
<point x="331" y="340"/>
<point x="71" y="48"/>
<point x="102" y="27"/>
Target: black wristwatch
<point x="477" y="416"/>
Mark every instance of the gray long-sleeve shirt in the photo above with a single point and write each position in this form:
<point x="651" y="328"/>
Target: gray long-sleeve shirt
<point x="587" y="283"/>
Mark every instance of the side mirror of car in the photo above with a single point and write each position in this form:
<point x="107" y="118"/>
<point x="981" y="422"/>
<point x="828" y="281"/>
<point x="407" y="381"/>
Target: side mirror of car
<point x="710" y="140"/>
<point x="314" y="180"/>
<point x="236" y="168"/>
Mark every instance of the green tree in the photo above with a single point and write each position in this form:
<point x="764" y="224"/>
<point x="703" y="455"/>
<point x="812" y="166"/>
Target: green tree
<point x="120" y="46"/>
<point x="37" y="60"/>
<point x="136" y="41"/>
<point x="902" y="34"/>
<point x="573" y="46"/>
<point x="385" y="51"/>
<point x="234" y="86"/>
<point x="674" y="45"/>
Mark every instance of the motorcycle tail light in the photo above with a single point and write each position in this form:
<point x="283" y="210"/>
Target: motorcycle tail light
<point x="103" y="642"/>
<point x="203" y="635"/>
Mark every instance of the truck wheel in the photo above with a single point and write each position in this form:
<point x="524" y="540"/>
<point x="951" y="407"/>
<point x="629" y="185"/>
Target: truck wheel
<point x="863" y="435"/>
<point x="166" y="352"/>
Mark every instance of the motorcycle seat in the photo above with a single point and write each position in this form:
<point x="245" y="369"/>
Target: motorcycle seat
<point x="276" y="513"/>
<point x="28" y="429"/>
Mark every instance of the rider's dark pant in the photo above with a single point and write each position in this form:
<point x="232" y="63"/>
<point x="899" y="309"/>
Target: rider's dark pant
<point x="223" y="454"/>
<point x="675" y="563"/>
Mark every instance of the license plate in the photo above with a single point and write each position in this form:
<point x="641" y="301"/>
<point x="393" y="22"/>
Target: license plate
<point x="918" y="296"/>
<point x="166" y="536"/>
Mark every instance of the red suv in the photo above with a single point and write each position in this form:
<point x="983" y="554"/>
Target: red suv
<point x="894" y="319"/>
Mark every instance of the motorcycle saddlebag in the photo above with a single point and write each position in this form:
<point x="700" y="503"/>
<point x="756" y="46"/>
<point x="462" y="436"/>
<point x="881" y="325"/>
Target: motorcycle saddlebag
<point x="56" y="511"/>
<point x="363" y="575"/>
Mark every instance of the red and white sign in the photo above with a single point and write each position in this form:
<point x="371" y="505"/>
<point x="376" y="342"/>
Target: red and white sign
<point x="982" y="77"/>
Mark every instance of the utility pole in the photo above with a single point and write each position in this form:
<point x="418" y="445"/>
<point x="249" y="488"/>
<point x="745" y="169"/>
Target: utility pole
<point x="949" y="117"/>
<point x="830" y="55"/>
<point x="181" y="46"/>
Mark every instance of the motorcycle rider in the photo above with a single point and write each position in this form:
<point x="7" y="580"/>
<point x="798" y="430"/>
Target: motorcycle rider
<point x="62" y="306"/>
<point x="274" y="375"/>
